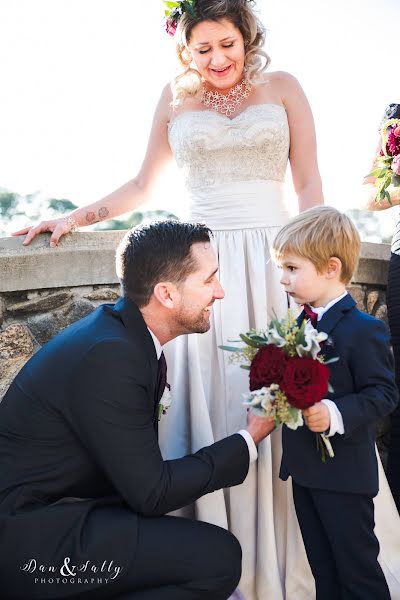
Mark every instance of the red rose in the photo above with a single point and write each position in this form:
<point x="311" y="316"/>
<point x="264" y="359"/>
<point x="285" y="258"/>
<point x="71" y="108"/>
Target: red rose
<point x="305" y="381"/>
<point x="267" y="367"/>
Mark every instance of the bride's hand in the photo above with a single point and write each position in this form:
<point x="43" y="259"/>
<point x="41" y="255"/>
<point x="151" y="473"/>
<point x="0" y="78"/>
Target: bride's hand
<point x="58" y="227"/>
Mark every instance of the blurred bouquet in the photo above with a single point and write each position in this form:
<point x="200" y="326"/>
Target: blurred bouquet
<point x="388" y="160"/>
<point x="287" y="372"/>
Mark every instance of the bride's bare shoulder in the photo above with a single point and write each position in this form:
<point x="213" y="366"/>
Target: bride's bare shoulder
<point x="166" y="94"/>
<point x="163" y="109"/>
<point x="279" y="79"/>
<point x="280" y="87"/>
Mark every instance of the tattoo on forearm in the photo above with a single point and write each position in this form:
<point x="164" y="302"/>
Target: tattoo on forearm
<point x="91" y="217"/>
<point x="103" y="212"/>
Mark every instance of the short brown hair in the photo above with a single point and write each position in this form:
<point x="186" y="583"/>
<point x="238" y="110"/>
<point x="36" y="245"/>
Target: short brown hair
<point x="158" y="251"/>
<point x="318" y="234"/>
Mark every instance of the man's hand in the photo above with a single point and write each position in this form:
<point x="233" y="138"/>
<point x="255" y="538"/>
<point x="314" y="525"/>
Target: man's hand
<point x="259" y="427"/>
<point x="317" y="417"/>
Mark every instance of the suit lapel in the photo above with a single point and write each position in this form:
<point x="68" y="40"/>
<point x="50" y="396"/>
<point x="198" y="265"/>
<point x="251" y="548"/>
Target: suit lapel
<point x="137" y="328"/>
<point x="332" y="316"/>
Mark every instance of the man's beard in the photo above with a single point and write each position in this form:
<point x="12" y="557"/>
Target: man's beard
<point x="193" y="324"/>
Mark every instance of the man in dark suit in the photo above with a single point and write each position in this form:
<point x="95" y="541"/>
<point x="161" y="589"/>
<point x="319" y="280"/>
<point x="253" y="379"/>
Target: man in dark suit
<point x="83" y="486"/>
<point x="318" y="251"/>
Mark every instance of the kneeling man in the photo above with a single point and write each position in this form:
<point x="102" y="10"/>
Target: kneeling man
<point x="83" y="486"/>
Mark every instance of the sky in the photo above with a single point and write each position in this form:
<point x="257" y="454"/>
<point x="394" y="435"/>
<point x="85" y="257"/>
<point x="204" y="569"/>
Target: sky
<point x="80" y="80"/>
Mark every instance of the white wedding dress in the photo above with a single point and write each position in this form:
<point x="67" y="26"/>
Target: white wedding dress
<point x="234" y="171"/>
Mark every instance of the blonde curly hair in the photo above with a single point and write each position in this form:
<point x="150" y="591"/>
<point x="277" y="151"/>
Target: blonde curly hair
<point x="187" y="82"/>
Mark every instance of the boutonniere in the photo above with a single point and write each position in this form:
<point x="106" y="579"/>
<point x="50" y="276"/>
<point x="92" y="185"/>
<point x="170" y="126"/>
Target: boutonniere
<point x="329" y="343"/>
<point x="165" y="402"/>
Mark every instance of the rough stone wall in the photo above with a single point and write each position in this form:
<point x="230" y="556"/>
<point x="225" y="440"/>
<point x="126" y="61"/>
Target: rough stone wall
<point x="373" y="301"/>
<point x="44" y="290"/>
<point x="29" y="319"/>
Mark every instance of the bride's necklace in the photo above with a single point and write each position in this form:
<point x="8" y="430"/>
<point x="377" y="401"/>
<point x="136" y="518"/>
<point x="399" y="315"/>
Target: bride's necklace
<point x="227" y="103"/>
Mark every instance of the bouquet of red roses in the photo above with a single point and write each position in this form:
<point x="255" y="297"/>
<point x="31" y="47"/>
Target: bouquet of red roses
<point x="287" y="373"/>
<point x="388" y="160"/>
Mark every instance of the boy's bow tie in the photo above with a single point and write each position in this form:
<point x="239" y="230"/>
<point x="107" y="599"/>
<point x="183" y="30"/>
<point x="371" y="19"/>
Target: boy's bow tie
<point x="310" y="314"/>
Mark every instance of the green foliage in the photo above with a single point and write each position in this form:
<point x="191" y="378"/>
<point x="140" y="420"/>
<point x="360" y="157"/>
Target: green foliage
<point x="61" y="206"/>
<point x="8" y="204"/>
<point x="176" y="9"/>
<point x="135" y="218"/>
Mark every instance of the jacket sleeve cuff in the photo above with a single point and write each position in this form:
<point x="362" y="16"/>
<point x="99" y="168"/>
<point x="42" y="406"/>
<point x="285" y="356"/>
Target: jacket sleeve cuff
<point x="253" y="454"/>
<point x="337" y="425"/>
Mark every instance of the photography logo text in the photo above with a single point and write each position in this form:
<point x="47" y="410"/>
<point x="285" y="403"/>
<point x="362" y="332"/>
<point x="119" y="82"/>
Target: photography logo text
<point x="69" y="573"/>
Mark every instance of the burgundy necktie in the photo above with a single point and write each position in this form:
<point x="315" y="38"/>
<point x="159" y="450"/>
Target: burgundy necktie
<point x="162" y="376"/>
<point x="310" y="314"/>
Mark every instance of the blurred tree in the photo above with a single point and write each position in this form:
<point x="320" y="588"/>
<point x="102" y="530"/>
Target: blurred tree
<point x="135" y="218"/>
<point x="16" y="211"/>
<point x="369" y="226"/>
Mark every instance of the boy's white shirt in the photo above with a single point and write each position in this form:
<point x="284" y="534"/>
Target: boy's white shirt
<point x="253" y="454"/>
<point x="336" y="418"/>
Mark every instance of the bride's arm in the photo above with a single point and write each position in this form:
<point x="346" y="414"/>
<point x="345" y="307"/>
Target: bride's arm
<point x="126" y="198"/>
<point x="303" y="146"/>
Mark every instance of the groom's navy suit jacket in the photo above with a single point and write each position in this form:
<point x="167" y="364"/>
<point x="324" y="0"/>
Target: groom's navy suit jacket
<point x="364" y="390"/>
<point x="80" y="421"/>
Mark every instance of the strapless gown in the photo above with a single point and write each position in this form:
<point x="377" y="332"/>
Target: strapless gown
<point x="234" y="171"/>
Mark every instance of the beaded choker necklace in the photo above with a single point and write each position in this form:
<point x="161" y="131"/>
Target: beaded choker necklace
<point x="227" y="103"/>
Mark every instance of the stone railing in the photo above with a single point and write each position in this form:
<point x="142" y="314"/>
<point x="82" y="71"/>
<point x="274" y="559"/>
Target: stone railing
<point x="43" y="290"/>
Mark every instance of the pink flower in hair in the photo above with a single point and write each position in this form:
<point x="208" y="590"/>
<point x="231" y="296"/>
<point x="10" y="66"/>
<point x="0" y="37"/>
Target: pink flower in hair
<point x="170" y="26"/>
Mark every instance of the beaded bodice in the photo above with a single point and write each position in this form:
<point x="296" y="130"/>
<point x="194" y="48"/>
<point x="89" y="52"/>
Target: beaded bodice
<point x="213" y="149"/>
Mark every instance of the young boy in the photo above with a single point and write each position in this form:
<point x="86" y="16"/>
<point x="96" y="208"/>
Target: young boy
<point x="318" y="252"/>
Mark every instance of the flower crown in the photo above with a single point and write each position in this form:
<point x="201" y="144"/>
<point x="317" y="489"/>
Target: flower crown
<point x="174" y="11"/>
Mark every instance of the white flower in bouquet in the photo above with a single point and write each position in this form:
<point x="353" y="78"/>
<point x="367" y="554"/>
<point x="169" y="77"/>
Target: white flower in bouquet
<point x="260" y="402"/>
<point x="274" y="337"/>
<point x="313" y="339"/>
<point x="296" y="421"/>
<point x="272" y="402"/>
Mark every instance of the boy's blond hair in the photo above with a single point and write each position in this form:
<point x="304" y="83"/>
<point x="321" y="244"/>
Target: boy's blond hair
<point x="319" y="234"/>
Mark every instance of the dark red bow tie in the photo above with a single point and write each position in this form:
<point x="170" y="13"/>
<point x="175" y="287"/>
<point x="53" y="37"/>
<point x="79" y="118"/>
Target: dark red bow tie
<point x="310" y="314"/>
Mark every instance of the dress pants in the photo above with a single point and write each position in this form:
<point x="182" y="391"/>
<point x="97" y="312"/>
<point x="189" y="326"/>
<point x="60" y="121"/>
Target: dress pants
<point x="177" y="559"/>
<point x="341" y="546"/>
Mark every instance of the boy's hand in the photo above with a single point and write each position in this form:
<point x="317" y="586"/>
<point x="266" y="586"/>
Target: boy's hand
<point x="317" y="417"/>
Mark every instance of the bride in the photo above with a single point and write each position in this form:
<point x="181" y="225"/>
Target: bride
<point x="232" y="129"/>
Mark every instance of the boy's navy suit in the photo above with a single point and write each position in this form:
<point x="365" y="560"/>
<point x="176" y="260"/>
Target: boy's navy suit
<point x="334" y="499"/>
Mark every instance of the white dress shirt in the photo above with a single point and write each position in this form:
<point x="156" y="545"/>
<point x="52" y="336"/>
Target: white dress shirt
<point x="336" y="418"/>
<point x="253" y="454"/>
